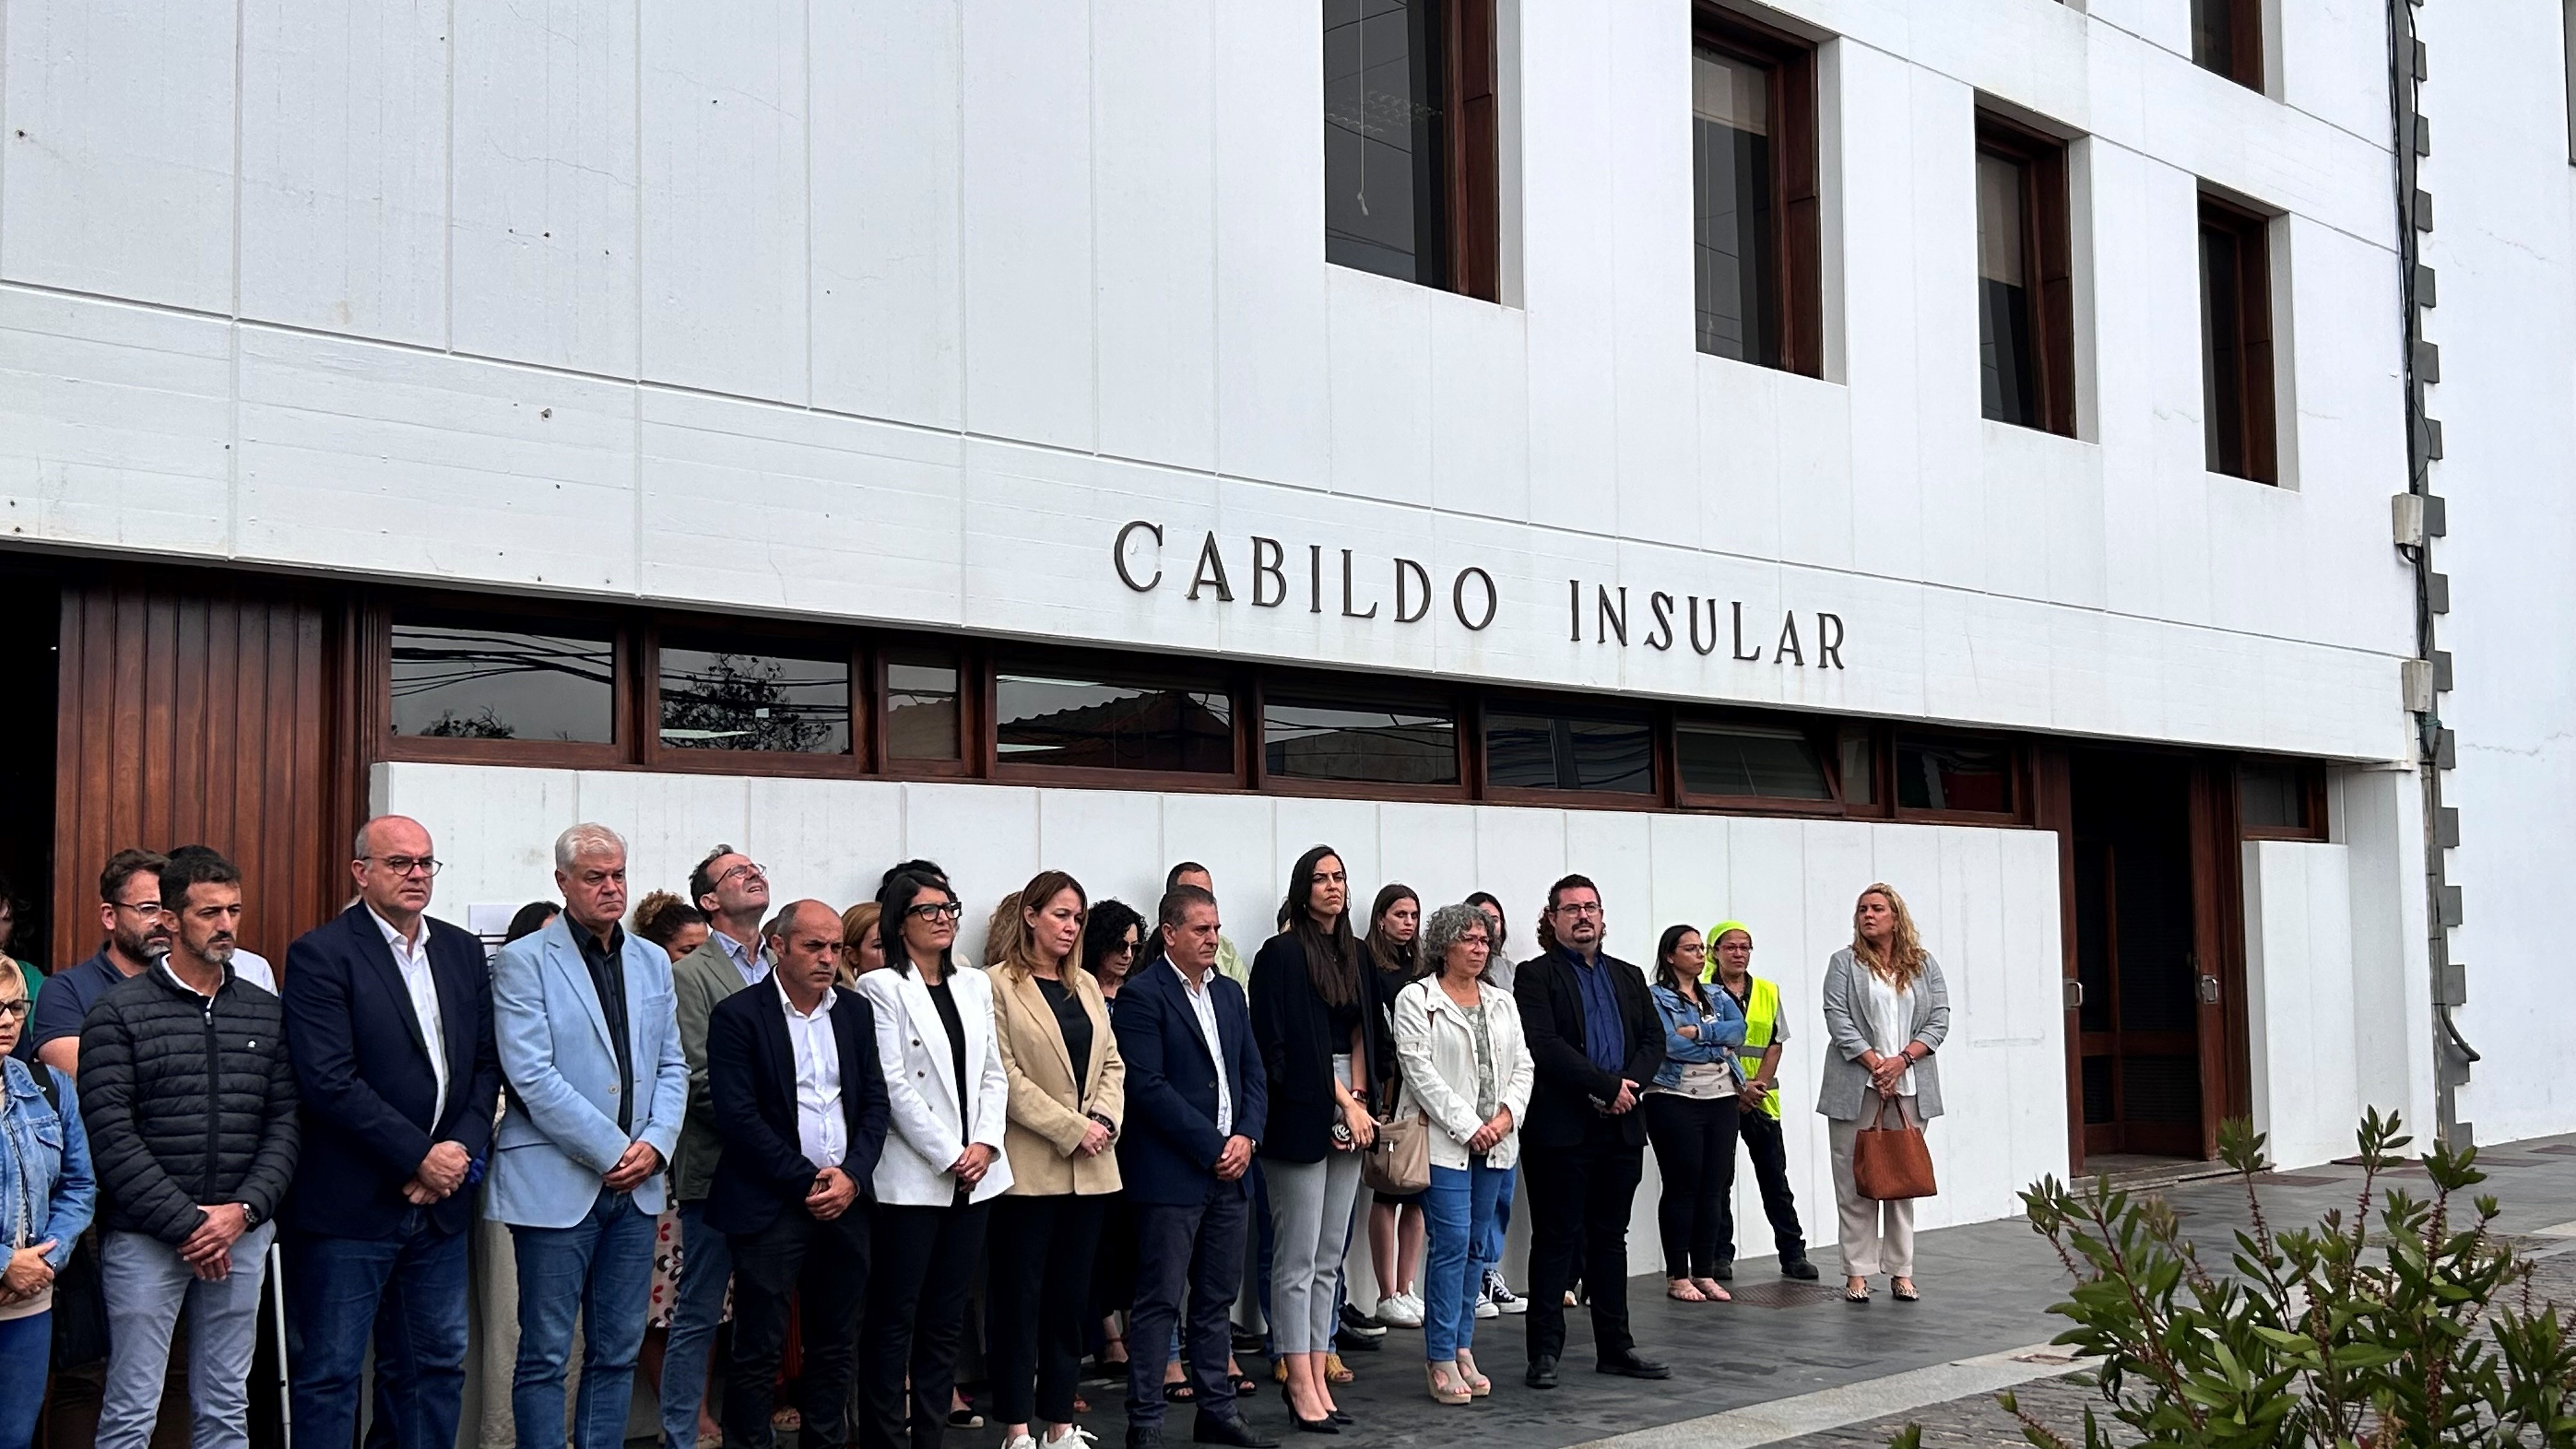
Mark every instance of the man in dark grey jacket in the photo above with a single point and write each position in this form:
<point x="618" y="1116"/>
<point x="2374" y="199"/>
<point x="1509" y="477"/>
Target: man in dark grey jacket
<point x="190" y="1103"/>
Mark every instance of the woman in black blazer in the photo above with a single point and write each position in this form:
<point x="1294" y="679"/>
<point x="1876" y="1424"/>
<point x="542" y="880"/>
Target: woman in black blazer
<point x="1323" y="1049"/>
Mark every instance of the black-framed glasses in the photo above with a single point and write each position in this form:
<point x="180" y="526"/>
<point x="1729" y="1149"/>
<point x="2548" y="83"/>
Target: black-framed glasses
<point x="744" y="871"/>
<point x="935" y="911"/>
<point x="1580" y="908"/>
<point x="408" y="864"/>
<point x="18" y="1008"/>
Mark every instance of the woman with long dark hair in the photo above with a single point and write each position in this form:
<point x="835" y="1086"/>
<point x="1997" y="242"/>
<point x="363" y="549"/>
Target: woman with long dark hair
<point x="1322" y="1049"/>
<point x="1395" y="1223"/>
<point x="942" y="1166"/>
<point x="1690" y="1112"/>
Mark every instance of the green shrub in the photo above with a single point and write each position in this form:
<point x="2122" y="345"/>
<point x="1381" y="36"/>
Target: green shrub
<point x="2411" y="1326"/>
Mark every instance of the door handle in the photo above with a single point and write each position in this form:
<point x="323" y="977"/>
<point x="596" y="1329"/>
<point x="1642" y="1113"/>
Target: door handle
<point x="2074" y="994"/>
<point x="2208" y="989"/>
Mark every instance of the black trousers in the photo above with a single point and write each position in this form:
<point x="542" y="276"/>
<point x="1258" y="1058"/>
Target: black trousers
<point x="825" y="1267"/>
<point x="1037" y="1292"/>
<point x="1194" y="1249"/>
<point x="916" y="1317"/>
<point x="1578" y="1204"/>
<point x="1695" y="1154"/>
<point x="1760" y="1133"/>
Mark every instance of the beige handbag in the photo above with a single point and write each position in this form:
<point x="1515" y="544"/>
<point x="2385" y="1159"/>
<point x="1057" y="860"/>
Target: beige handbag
<point x="1399" y="1161"/>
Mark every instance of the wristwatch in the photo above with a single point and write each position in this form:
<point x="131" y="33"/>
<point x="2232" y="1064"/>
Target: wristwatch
<point x="250" y="1216"/>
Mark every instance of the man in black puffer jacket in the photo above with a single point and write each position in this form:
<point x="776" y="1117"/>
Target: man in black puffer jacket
<point x="190" y="1104"/>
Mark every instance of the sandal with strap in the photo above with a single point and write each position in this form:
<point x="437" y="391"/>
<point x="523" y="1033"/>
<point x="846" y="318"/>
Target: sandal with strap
<point x="1683" y="1290"/>
<point x="1446" y="1387"/>
<point x="1711" y="1291"/>
<point x="1856" y="1296"/>
<point x="1477" y="1383"/>
<point x="1904" y="1291"/>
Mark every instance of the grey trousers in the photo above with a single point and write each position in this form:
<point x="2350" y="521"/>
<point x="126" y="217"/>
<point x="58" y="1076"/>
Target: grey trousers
<point x="146" y="1287"/>
<point x="1310" y="1216"/>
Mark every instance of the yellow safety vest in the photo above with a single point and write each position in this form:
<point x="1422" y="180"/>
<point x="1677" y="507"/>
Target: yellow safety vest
<point x="1761" y="1016"/>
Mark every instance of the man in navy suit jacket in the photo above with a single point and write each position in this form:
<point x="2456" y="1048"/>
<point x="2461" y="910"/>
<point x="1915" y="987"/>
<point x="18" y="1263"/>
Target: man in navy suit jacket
<point x="389" y="1027"/>
<point x="1196" y="1104"/>
<point x="800" y="1108"/>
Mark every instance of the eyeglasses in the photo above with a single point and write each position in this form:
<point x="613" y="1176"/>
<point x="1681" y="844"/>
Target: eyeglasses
<point x="408" y="864"/>
<point x="1580" y="908"/>
<point x="744" y="871"/>
<point x="935" y="911"/>
<point x="18" y="1008"/>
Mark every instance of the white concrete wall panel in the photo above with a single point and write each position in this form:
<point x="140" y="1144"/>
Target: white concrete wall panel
<point x="2298" y="953"/>
<point x="1154" y="187"/>
<point x="1026" y="156"/>
<point x="1271" y="371"/>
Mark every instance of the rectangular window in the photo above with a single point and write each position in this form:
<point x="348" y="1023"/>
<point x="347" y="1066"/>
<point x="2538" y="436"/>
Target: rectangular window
<point x="719" y="695"/>
<point x="1104" y="721"/>
<point x="2236" y="341"/>
<point x="1314" y="739"/>
<point x="922" y="720"/>
<point x="1754" y="212"/>
<point x="1859" y="764"/>
<point x="2025" y="302"/>
<point x="1743" y="761"/>
<point x="461" y="681"/>
<point x="2281" y="799"/>
<point x="2227" y="37"/>
<point x="1947" y="772"/>
<point x="1539" y="748"/>
<point x="1411" y="189"/>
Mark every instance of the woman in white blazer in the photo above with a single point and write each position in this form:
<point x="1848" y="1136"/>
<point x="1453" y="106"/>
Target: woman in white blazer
<point x="942" y="1166"/>
<point x="1467" y="1070"/>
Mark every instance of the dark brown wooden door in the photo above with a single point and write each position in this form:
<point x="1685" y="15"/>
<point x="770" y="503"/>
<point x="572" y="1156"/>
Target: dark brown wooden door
<point x="198" y="710"/>
<point x="2151" y="1057"/>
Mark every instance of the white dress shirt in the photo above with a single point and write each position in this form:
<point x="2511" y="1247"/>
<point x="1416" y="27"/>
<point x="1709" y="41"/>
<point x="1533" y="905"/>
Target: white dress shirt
<point x="1203" y="1004"/>
<point x="746" y="959"/>
<point x="413" y="962"/>
<point x="822" y="1131"/>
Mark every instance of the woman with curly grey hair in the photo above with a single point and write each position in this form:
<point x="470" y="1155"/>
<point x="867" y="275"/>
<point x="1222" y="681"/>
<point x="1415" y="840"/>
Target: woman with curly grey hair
<point x="1468" y="1071"/>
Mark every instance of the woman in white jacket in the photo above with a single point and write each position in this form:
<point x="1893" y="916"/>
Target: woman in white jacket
<point x="949" y="1106"/>
<point x="1467" y="1071"/>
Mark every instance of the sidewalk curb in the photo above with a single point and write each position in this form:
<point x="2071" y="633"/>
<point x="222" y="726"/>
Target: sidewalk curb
<point x="1835" y="1408"/>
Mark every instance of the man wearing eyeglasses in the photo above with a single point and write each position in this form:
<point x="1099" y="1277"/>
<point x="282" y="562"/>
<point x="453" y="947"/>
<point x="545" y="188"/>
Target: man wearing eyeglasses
<point x="733" y="891"/>
<point x="389" y="1028"/>
<point x="129" y="911"/>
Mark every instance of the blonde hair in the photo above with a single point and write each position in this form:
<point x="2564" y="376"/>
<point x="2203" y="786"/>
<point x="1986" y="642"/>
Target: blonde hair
<point x="858" y="923"/>
<point x="1010" y="945"/>
<point x="1002" y="931"/>
<point x="1904" y="959"/>
<point x="9" y="972"/>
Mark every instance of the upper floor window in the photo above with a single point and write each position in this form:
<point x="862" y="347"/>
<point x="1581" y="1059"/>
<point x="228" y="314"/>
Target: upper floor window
<point x="1411" y="189"/>
<point x="2025" y="278"/>
<point x="1754" y="207"/>
<point x="717" y="695"/>
<point x="455" y="678"/>
<point x="2236" y="341"/>
<point x="2227" y="37"/>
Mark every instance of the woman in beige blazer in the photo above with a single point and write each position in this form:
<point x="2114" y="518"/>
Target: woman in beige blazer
<point x="1068" y="1091"/>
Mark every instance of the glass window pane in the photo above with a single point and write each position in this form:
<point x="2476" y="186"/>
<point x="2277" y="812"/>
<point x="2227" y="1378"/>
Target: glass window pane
<point x="1385" y="207"/>
<point x="1529" y="749"/>
<point x="1401" y="745"/>
<point x="727" y="699"/>
<point x="1734" y="264"/>
<point x="1934" y="773"/>
<point x="2271" y="795"/>
<point x="1860" y="772"/>
<point x="2213" y="35"/>
<point x="2222" y="395"/>
<point x="922" y="720"/>
<point x="464" y="683"/>
<point x="1751" y="760"/>
<point x="1045" y="719"/>
<point x="2004" y="350"/>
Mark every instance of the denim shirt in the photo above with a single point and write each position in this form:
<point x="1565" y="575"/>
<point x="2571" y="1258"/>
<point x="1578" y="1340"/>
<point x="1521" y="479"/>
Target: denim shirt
<point x="1720" y="1029"/>
<point x="44" y="1166"/>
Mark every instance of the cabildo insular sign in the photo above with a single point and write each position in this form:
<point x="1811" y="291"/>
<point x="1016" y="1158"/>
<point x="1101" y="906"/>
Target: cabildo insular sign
<point x="1266" y="573"/>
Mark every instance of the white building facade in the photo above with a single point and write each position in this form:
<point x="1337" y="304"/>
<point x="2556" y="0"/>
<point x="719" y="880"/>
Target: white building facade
<point x="543" y="393"/>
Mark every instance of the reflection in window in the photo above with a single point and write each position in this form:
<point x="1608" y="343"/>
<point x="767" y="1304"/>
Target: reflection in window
<point x="1736" y="277"/>
<point x="1384" y="125"/>
<point x="1112" y="724"/>
<point x="921" y="707"/>
<point x="1315" y="741"/>
<point x="2005" y="336"/>
<point x="1528" y="749"/>
<point x="463" y="683"/>
<point x="1859" y="766"/>
<point x="722" y="699"/>
<point x="2272" y="795"/>
<point x="1751" y="761"/>
<point x="1935" y="773"/>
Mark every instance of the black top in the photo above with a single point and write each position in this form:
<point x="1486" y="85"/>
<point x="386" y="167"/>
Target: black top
<point x="1555" y="1023"/>
<point x="1343" y="1019"/>
<point x="608" y="978"/>
<point x="941" y="998"/>
<point x="1299" y="1035"/>
<point x="1075" y="1025"/>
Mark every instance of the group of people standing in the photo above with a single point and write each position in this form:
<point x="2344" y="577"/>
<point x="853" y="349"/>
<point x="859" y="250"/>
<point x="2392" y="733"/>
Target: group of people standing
<point x="842" y="1120"/>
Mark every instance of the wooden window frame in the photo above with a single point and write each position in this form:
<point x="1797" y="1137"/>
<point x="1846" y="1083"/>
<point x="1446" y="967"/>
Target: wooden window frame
<point x="1824" y="739"/>
<point x="528" y="616"/>
<point x="974" y="727"/>
<point x="2257" y="385"/>
<point x="2245" y="44"/>
<point x="2312" y="800"/>
<point x="2048" y="250"/>
<point x="785" y="640"/>
<point x="1797" y="198"/>
<point x="1356" y="690"/>
<point x="1472" y="101"/>
<point x="1659" y="726"/>
<point x="1235" y="682"/>
<point x="2017" y="770"/>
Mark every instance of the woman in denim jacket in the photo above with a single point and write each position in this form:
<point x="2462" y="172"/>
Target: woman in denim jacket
<point x="46" y="1194"/>
<point x="1691" y="1114"/>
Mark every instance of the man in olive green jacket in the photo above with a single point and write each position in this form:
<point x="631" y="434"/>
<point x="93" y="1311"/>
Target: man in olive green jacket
<point x="734" y="893"/>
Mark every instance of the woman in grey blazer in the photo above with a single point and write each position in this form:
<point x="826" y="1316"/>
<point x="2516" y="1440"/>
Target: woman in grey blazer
<point x="1887" y="1011"/>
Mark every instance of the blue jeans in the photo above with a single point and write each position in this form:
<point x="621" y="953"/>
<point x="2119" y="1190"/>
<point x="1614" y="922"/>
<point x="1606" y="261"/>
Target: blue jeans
<point x="1458" y="1209"/>
<point x="1502" y="1216"/>
<point x="706" y="1266"/>
<point x="146" y="1287"/>
<point x="599" y="1270"/>
<point x="26" y="1351"/>
<point x="410" y="1290"/>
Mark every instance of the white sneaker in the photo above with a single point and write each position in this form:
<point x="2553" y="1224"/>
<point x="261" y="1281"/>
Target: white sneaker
<point x="1402" y="1310"/>
<point x="1485" y="1305"/>
<point x="1019" y="1441"/>
<point x="1074" y="1437"/>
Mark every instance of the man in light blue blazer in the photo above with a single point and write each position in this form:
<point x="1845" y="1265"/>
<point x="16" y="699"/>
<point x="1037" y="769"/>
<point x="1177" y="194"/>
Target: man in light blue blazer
<point x="589" y="1042"/>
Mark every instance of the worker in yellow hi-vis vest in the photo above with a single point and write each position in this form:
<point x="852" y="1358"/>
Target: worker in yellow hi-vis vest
<point x="1730" y="968"/>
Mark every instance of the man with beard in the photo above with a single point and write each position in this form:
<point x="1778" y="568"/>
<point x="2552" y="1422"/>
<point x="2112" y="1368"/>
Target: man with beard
<point x="129" y="911"/>
<point x="190" y="1103"/>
